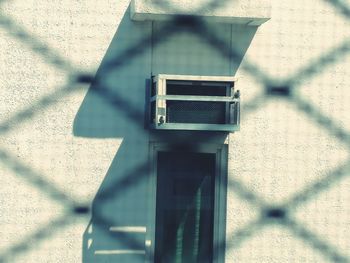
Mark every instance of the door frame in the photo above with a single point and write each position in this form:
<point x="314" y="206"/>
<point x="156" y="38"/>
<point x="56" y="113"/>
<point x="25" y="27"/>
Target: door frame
<point x="220" y="194"/>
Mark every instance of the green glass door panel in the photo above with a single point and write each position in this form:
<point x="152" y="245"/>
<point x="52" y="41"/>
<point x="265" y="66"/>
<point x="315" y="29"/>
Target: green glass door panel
<point x="185" y="205"/>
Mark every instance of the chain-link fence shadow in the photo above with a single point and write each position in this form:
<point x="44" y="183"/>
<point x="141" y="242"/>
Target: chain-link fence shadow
<point x="130" y="124"/>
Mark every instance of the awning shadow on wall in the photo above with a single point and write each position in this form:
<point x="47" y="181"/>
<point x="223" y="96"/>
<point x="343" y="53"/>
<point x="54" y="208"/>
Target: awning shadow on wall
<point x="115" y="106"/>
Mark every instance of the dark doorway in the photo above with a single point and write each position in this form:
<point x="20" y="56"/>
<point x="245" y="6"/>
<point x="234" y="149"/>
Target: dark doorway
<point x="185" y="207"/>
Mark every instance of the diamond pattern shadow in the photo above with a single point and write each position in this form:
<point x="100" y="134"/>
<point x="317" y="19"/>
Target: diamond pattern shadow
<point x="269" y="214"/>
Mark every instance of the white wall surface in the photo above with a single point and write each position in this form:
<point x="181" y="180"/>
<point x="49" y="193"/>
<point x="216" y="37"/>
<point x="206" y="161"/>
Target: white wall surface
<point x="77" y="143"/>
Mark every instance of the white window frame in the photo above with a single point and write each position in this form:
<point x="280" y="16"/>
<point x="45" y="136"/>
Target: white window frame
<point x="220" y="195"/>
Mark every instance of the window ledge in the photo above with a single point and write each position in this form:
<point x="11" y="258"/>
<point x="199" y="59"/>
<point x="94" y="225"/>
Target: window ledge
<point x="231" y="11"/>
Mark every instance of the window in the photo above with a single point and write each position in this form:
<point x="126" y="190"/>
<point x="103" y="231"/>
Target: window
<point x="189" y="203"/>
<point x="183" y="102"/>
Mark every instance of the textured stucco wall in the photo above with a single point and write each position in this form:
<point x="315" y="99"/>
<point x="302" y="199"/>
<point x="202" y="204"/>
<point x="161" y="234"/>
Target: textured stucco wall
<point x="75" y="142"/>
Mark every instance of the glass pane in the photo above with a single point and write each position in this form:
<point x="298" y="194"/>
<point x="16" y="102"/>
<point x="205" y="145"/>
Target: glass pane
<point x="185" y="205"/>
<point x="196" y="112"/>
<point x="196" y="89"/>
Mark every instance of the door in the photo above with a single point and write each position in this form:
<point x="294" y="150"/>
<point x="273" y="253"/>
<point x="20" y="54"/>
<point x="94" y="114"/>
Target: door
<point x="185" y="207"/>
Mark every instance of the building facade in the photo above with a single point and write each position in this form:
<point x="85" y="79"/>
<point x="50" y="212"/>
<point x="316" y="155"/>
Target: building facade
<point x="77" y="128"/>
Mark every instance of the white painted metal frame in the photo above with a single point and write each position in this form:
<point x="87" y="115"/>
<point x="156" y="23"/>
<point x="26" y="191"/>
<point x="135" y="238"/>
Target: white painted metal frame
<point x="160" y="97"/>
<point x="196" y="78"/>
<point x="230" y="11"/>
<point x="220" y="195"/>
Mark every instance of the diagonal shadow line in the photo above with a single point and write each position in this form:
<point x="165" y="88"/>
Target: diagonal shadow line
<point x="327" y="123"/>
<point x="132" y="178"/>
<point x="104" y="223"/>
<point x="29" y="112"/>
<point x="37" y="46"/>
<point x="204" y="32"/>
<point x="302" y="74"/>
<point x="163" y="33"/>
<point x="250" y="67"/>
<point x="128" y="182"/>
<point x="245" y="194"/>
<point x="253" y="105"/>
<point x="310" y="238"/>
<point x="26" y="115"/>
<point x="241" y="235"/>
<point x="140" y="172"/>
<point x="227" y="51"/>
<point x="314" y="68"/>
<point x="115" y="99"/>
<point x="118" y="62"/>
<point x="30" y="242"/>
<point x="216" y="42"/>
<point x="318" y="187"/>
<point x="112" y="96"/>
<point x="167" y="30"/>
<point x="20" y="115"/>
<point x="194" y="25"/>
<point x="133" y="51"/>
<point x="34" y="179"/>
<point x="340" y="6"/>
<point x="44" y="102"/>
